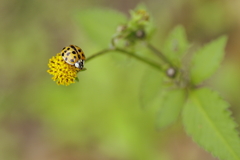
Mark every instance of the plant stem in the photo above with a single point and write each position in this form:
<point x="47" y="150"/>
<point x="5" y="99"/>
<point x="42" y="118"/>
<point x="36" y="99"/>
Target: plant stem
<point x="98" y="54"/>
<point x="152" y="64"/>
<point x="156" y="66"/>
<point x="159" y="54"/>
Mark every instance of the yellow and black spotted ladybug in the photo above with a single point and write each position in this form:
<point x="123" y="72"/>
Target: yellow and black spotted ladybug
<point x="73" y="55"/>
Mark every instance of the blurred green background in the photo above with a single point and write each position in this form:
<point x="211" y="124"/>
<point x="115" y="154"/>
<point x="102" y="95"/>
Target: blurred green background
<point x="99" y="118"/>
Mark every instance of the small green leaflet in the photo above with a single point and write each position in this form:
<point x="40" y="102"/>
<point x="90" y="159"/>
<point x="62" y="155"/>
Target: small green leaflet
<point x="77" y="80"/>
<point x="207" y="120"/>
<point x="206" y="61"/>
<point x="171" y="108"/>
<point x="176" y="44"/>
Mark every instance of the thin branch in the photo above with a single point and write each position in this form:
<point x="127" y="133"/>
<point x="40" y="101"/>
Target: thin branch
<point x="146" y="61"/>
<point x="98" y="54"/>
<point x="159" y="54"/>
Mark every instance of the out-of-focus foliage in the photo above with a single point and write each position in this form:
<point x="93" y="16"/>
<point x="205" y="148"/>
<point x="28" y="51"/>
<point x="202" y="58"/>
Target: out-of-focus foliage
<point x="99" y="28"/>
<point x="171" y="107"/>
<point x="216" y="130"/>
<point x="100" y="117"/>
<point x="176" y="45"/>
<point x="207" y="60"/>
<point x="205" y="115"/>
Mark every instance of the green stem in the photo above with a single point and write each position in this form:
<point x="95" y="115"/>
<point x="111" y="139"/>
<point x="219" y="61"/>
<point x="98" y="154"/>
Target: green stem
<point x="152" y="64"/>
<point x="159" y="54"/>
<point x="98" y="54"/>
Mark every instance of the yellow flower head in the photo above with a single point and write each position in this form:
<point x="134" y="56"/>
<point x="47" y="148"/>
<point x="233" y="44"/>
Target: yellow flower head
<point x="63" y="73"/>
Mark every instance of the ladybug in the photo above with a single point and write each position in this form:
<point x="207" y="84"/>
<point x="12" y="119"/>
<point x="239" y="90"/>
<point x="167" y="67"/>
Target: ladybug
<point x="73" y="55"/>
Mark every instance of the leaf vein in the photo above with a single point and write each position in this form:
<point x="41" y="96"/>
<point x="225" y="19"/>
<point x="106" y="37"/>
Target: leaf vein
<point x="218" y="131"/>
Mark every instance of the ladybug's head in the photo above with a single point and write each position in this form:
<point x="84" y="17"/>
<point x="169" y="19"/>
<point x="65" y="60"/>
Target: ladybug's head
<point x="79" y="64"/>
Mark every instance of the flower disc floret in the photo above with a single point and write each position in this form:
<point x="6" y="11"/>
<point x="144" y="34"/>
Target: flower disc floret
<point x="63" y="73"/>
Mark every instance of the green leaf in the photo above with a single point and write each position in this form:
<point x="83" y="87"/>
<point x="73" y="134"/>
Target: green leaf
<point x="100" y="24"/>
<point x="171" y="107"/>
<point x="176" y="44"/>
<point x="151" y="86"/>
<point x="207" y="119"/>
<point x="206" y="61"/>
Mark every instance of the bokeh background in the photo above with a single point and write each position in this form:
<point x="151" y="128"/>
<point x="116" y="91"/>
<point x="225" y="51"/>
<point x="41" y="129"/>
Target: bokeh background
<point x="99" y="118"/>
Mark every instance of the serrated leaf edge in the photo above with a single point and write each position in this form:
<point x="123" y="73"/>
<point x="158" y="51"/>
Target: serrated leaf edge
<point x="218" y="132"/>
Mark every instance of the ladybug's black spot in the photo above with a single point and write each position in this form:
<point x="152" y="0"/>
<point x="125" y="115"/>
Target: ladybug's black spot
<point x="79" y="56"/>
<point x="63" y="48"/>
<point x="73" y="52"/>
<point x="74" y="57"/>
<point x="68" y="53"/>
<point x="72" y="60"/>
<point x="65" y="51"/>
<point x="83" y="55"/>
<point x="68" y="48"/>
<point x="73" y="47"/>
<point x="79" y="50"/>
<point x="66" y="59"/>
<point x="62" y="54"/>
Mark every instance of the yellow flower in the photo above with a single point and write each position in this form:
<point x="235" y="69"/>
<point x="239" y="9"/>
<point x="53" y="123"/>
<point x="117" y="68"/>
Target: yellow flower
<point x="63" y="73"/>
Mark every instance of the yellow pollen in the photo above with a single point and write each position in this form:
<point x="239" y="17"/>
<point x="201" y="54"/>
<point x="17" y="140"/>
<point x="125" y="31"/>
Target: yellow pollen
<point x="63" y="73"/>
